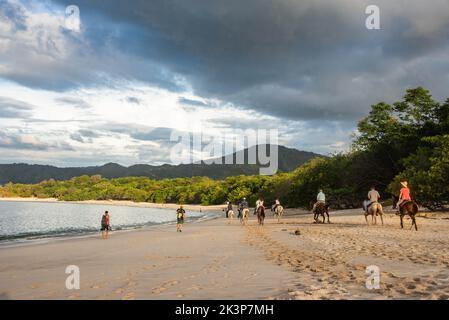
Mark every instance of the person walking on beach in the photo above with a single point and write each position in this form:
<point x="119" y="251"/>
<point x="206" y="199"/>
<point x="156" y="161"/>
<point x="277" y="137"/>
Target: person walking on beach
<point x="180" y="215"/>
<point x="105" y="225"/>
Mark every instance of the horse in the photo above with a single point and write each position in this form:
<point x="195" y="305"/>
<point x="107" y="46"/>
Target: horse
<point x="230" y="216"/>
<point x="244" y="216"/>
<point x="261" y="215"/>
<point x="409" y="208"/>
<point x="279" y="211"/>
<point x="375" y="209"/>
<point x="321" y="209"/>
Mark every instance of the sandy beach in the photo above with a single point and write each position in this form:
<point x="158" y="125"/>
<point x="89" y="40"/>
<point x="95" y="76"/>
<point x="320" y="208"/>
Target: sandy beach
<point x="216" y="260"/>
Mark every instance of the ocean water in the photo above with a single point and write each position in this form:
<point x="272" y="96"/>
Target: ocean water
<point x="21" y="221"/>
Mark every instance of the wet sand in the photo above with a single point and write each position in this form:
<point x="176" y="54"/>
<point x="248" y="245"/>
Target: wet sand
<point x="217" y="260"/>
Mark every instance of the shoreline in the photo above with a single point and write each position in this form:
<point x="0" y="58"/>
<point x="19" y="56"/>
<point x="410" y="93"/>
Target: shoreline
<point x="122" y="203"/>
<point x="49" y="238"/>
<point x="215" y="259"/>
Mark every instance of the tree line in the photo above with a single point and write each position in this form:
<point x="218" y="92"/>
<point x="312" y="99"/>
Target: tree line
<point x="406" y="140"/>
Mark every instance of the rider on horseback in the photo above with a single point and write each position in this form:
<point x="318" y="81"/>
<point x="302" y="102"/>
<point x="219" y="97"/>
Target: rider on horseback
<point x="228" y="208"/>
<point x="320" y="198"/>
<point x="242" y="205"/>
<point x="276" y="204"/>
<point x="373" y="197"/>
<point x="259" y="203"/>
<point x="404" y="195"/>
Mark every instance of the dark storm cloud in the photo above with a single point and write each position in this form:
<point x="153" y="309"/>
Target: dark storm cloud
<point x="302" y="60"/>
<point x="295" y="59"/>
<point x="11" y="108"/>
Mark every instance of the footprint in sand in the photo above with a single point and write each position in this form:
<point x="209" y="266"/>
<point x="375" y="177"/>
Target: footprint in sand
<point x="164" y="286"/>
<point x="129" y="296"/>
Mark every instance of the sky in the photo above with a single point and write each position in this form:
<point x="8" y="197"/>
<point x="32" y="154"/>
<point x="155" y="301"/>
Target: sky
<point x="114" y="87"/>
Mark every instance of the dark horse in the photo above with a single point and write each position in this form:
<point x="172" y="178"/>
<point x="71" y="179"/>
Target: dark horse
<point x="321" y="209"/>
<point x="409" y="208"/>
<point x="261" y="215"/>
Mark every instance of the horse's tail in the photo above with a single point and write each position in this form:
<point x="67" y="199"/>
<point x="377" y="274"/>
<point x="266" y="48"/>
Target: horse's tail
<point x="415" y="207"/>
<point x="380" y="209"/>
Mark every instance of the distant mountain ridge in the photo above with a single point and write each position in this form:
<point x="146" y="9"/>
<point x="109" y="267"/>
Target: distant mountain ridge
<point x="289" y="159"/>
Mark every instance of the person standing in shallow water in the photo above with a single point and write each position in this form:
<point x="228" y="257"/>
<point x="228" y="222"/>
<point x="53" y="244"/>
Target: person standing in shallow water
<point x="105" y="225"/>
<point x="180" y="215"/>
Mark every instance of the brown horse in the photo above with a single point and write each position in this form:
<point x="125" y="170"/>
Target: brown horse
<point x="409" y="208"/>
<point x="261" y="215"/>
<point x="321" y="209"/>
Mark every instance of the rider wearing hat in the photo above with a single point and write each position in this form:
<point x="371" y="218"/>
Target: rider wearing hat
<point x="404" y="194"/>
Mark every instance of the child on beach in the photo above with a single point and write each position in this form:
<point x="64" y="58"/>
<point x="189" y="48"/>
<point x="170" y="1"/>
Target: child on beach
<point x="105" y="225"/>
<point x="180" y="215"/>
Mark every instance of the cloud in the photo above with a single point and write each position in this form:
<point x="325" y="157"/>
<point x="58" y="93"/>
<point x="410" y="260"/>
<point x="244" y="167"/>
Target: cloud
<point x="23" y="141"/>
<point x="191" y="102"/>
<point x="297" y="60"/>
<point x="11" y="108"/>
<point x="138" y="70"/>
<point x="85" y="136"/>
<point x="15" y="14"/>
<point x="133" y="100"/>
<point x="73" y="101"/>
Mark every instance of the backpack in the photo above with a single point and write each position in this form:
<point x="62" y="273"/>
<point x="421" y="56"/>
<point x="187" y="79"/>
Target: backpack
<point x="103" y="220"/>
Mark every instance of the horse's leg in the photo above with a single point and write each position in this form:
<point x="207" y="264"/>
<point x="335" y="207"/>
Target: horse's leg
<point x="413" y="222"/>
<point x="328" y="220"/>
<point x="402" y="223"/>
<point x="366" y="219"/>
